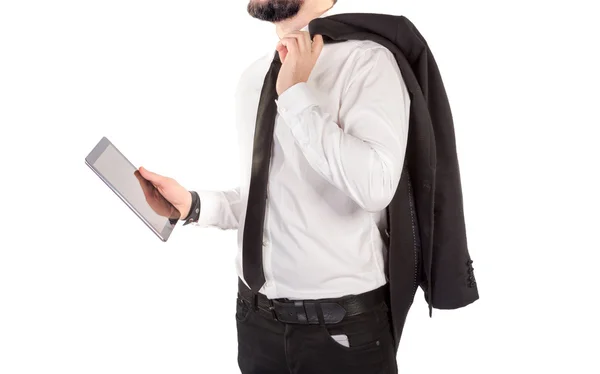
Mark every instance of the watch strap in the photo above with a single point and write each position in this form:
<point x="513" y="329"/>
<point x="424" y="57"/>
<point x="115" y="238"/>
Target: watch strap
<point x="194" y="213"/>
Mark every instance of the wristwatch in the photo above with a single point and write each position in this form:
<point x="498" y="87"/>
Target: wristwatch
<point x="194" y="213"/>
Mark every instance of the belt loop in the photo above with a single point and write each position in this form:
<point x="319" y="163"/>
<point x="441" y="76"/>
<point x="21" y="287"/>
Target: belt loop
<point x="320" y="314"/>
<point x="272" y="309"/>
<point x="301" y="314"/>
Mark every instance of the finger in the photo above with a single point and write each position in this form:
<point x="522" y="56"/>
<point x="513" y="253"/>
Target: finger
<point x="144" y="184"/>
<point x="317" y="46"/>
<point x="156" y="179"/>
<point x="156" y="195"/>
<point x="309" y="41"/>
<point x="291" y="44"/>
<point x="303" y="39"/>
<point x="147" y="194"/>
<point x="282" y="50"/>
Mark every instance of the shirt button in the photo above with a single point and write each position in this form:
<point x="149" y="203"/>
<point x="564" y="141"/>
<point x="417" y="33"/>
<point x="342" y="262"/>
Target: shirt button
<point x="265" y="242"/>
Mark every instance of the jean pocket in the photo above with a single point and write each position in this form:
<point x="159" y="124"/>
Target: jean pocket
<point x="368" y="341"/>
<point x="359" y="333"/>
<point x="242" y="310"/>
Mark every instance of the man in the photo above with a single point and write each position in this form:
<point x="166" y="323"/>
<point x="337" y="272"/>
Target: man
<point x="313" y="301"/>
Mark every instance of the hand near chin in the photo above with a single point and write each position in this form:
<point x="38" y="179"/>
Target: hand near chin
<point x="298" y="54"/>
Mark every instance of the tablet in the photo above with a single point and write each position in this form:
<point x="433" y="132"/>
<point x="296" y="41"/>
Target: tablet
<point x="124" y="179"/>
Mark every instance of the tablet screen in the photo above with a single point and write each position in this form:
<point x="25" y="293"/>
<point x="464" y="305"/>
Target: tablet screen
<point x="126" y="181"/>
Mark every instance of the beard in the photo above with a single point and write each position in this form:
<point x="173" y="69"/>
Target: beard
<point x="274" y="10"/>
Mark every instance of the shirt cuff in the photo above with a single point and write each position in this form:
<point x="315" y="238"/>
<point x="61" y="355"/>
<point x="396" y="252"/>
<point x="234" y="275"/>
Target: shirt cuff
<point x="294" y="101"/>
<point x="210" y="206"/>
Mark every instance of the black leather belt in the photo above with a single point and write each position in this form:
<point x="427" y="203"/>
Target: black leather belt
<point x="321" y="311"/>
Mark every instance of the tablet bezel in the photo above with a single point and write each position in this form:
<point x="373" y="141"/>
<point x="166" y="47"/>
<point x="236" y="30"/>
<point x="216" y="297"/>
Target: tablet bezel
<point x="93" y="157"/>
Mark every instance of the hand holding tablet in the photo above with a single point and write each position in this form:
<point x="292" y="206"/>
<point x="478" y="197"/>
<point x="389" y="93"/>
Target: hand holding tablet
<point x="162" y="193"/>
<point x="157" y="200"/>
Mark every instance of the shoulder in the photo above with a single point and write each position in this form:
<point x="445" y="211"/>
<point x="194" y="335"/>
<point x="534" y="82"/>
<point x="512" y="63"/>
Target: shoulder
<point x="359" y="55"/>
<point x="360" y="49"/>
<point x="253" y="74"/>
<point x="260" y="63"/>
<point x="366" y="63"/>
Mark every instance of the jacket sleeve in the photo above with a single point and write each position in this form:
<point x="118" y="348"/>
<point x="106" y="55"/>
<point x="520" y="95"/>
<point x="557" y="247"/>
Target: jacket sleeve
<point x="452" y="284"/>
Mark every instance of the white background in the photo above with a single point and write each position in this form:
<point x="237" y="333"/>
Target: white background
<point x="85" y="287"/>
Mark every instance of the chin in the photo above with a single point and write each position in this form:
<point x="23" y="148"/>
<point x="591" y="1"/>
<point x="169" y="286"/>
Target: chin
<point x="274" y="10"/>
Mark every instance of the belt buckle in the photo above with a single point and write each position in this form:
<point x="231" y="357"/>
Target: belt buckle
<point x="292" y="311"/>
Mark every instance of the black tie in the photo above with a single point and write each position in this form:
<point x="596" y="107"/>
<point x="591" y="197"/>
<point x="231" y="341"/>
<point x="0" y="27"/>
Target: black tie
<point x="252" y="244"/>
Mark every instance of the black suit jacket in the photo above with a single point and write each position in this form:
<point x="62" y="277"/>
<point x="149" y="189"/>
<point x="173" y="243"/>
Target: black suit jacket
<point x="427" y="244"/>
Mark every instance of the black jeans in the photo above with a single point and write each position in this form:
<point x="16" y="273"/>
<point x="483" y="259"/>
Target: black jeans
<point x="267" y="346"/>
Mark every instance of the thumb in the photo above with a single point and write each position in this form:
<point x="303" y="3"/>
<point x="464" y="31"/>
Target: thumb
<point x="152" y="177"/>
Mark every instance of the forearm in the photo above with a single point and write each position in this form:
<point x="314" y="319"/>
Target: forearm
<point x="367" y="171"/>
<point x="362" y="153"/>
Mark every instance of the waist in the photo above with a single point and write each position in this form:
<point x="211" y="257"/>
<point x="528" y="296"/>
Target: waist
<point x="303" y="267"/>
<point x="314" y="311"/>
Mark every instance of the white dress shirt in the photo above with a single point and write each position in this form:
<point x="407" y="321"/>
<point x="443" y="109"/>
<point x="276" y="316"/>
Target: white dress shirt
<point x="339" y="147"/>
